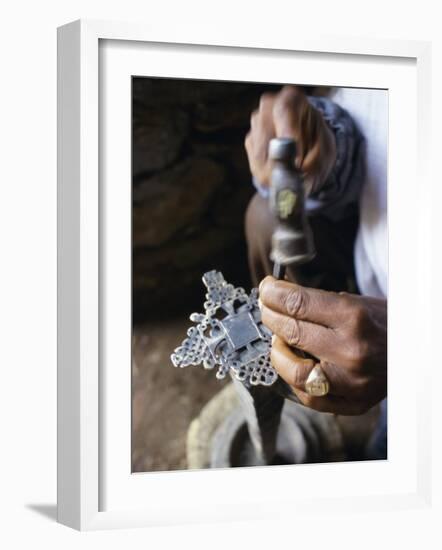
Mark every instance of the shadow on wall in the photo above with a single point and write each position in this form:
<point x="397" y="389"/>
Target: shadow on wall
<point x="191" y="186"/>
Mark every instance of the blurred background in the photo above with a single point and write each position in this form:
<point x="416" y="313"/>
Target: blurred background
<point x="191" y="187"/>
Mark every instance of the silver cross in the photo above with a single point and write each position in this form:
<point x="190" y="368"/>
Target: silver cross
<point x="229" y="335"/>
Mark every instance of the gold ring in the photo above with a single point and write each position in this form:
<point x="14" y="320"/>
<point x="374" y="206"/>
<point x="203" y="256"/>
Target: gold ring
<point x="317" y="384"/>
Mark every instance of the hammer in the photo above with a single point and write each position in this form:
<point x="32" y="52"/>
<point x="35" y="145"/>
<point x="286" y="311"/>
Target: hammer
<point x="292" y="239"/>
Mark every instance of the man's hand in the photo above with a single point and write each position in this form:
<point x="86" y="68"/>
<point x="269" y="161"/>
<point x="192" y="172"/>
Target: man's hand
<point x="346" y="332"/>
<point x="289" y="114"/>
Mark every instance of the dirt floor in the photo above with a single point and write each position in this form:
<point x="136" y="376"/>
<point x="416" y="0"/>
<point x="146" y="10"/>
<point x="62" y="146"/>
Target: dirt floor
<point x="165" y="399"/>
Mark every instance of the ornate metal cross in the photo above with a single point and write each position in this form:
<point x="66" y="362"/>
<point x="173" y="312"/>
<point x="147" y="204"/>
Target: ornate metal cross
<point x="229" y="335"/>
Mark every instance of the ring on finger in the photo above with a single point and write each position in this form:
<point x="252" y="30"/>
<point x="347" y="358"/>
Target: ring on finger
<point x="317" y="384"/>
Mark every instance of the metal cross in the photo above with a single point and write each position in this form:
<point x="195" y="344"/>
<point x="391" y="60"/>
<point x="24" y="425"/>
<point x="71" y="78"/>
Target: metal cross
<point x="229" y="335"/>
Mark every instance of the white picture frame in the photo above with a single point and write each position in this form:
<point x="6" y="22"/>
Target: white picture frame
<point x="95" y="486"/>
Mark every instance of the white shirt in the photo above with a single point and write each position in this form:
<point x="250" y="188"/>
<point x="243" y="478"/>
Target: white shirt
<point x="369" y="110"/>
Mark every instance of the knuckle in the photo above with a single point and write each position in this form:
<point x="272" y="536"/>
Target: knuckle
<point x="360" y="387"/>
<point x="295" y="303"/>
<point x="362" y="351"/>
<point x="254" y="118"/>
<point x="291" y="93"/>
<point x="316" y="403"/>
<point x="266" y="100"/>
<point x="359" y="317"/>
<point x="357" y="354"/>
<point x="266" y="289"/>
<point x="266" y="320"/>
<point x="346" y="303"/>
<point x="293" y="333"/>
<point x="305" y="399"/>
<point x="274" y="359"/>
<point x="298" y="375"/>
<point x="289" y="98"/>
<point x="282" y="106"/>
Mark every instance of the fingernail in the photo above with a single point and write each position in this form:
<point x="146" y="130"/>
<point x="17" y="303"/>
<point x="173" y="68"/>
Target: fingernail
<point x="273" y="338"/>
<point x="260" y="304"/>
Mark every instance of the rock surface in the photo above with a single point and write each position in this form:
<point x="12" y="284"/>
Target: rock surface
<point x="174" y="200"/>
<point x="158" y="136"/>
<point x="191" y="186"/>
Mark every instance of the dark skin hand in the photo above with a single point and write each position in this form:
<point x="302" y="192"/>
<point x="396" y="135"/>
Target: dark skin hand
<point x="346" y="333"/>
<point x="288" y="113"/>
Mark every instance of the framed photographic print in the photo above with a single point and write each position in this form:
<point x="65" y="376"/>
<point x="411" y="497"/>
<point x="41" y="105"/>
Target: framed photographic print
<point x="190" y="171"/>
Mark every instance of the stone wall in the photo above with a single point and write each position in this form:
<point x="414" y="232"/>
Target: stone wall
<point x="191" y="186"/>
